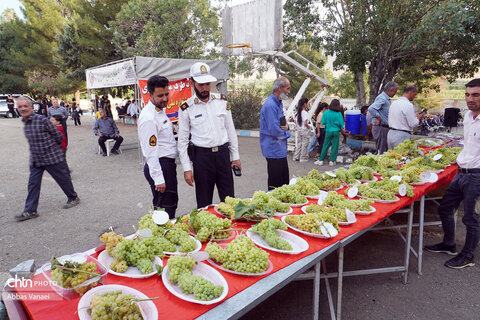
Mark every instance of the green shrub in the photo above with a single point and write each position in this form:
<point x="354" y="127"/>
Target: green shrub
<point x="246" y="103"/>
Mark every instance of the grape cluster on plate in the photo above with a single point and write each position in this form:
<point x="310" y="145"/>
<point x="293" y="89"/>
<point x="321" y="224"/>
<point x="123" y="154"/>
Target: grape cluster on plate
<point x="267" y="229"/>
<point x="336" y="200"/>
<point x="114" y="305"/>
<point x="180" y="273"/>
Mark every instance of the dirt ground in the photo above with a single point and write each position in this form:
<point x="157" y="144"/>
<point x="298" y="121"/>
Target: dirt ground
<point x="114" y="192"/>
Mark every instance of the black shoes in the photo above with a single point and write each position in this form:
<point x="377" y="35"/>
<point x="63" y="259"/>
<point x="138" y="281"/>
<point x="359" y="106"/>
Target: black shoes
<point x="115" y="151"/>
<point x="442" y="248"/>
<point x="26" y="215"/>
<point x="460" y="261"/>
<point x="71" y="203"/>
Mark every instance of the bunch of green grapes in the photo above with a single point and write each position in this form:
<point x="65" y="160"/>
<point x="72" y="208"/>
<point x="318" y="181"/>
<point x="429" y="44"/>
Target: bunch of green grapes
<point x="179" y="236"/>
<point x="425" y="161"/>
<point x="265" y="202"/>
<point x="386" y="162"/>
<point x="367" y="192"/>
<point x="390" y="185"/>
<point x="147" y="222"/>
<point x="454" y="151"/>
<point x="234" y="201"/>
<point x="207" y="225"/>
<point x="338" y="213"/>
<point x="339" y="201"/>
<point x="390" y="154"/>
<point x="180" y="273"/>
<point x="448" y="155"/>
<point x="137" y="253"/>
<point x="241" y="255"/>
<point x="113" y="305"/>
<point x="111" y="239"/>
<point x="267" y="229"/>
<point x="361" y="173"/>
<point x="226" y="209"/>
<point x="330" y="184"/>
<point x="344" y="175"/>
<point x="407" y="148"/>
<point x="314" y="175"/>
<point x="289" y="194"/>
<point x="312" y="222"/>
<point x="370" y="161"/>
<point x="306" y="187"/>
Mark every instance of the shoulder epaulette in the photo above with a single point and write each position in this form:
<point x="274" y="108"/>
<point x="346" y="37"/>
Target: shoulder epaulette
<point x="184" y="106"/>
<point x="223" y="97"/>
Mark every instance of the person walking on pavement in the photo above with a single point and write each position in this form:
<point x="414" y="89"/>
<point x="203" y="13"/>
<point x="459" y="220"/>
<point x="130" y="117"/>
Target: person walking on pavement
<point x="379" y="111"/>
<point x="213" y="146"/>
<point x="274" y="134"/>
<point x="155" y="132"/>
<point x="11" y="106"/>
<point x="45" y="155"/>
<point x="464" y="187"/>
<point x="105" y="128"/>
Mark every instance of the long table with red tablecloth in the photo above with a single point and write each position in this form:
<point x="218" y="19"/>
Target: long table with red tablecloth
<point x="168" y="304"/>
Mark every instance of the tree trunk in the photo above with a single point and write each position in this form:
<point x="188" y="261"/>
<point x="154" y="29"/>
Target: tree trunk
<point x="360" y="89"/>
<point x="377" y="72"/>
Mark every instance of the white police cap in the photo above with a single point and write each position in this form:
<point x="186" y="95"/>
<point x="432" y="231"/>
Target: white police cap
<point x="200" y="72"/>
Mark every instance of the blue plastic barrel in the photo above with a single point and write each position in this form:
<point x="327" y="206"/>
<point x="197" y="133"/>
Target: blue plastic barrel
<point x="352" y="121"/>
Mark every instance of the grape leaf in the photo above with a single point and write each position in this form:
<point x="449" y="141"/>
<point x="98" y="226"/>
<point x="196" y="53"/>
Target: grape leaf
<point x="159" y="269"/>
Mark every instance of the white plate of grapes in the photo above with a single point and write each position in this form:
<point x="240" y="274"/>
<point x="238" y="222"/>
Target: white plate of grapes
<point x="132" y="272"/>
<point x="328" y="231"/>
<point x="202" y="270"/>
<point x="298" y="244"/>
<point x="197" y="248"/>
<point x="147" y="308"/>
<point x="380" y="200"/>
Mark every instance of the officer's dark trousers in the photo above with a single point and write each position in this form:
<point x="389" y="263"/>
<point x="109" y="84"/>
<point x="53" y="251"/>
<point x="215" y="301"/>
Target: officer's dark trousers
<point x="464" y="187"/>
<point x="167" y="200"/>
<point x="210" y="169"/>
<point x="59" y="172"/>
<point x="278" y="174"/>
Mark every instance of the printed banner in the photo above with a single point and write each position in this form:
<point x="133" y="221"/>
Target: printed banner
<point x="115" y="75"/>
<point x="179" y="91"/>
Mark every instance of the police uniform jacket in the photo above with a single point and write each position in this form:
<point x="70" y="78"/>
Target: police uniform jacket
<point x="155" y="132"/>
<point x="210" y="125"/>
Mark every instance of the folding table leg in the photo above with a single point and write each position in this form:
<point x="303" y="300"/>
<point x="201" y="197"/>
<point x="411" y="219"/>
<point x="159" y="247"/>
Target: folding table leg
<point x="340" y="283"/>
<point x="408" y="243"/>
<point x="420" y="234"/>
<point x="316" y="291"/>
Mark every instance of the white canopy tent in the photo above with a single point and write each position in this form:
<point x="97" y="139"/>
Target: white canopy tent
<point x="129" y="71"/>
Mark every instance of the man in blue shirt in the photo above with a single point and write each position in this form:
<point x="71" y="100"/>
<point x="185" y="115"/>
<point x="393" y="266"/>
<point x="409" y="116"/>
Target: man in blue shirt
<point x="106" y="129"/>
<point x="379" y="111"/>
<point x="274" y="134"/>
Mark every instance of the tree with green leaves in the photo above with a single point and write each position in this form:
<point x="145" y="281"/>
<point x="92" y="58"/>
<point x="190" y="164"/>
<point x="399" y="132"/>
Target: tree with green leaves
<point x="437" y="37"/>
<point x="167" y="29"/>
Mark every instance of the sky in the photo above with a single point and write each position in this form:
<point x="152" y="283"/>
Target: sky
<point x="14" y="4"/>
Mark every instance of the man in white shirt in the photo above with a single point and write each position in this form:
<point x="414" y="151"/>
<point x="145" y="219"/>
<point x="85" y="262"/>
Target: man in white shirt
<point x="402" y="117"/>
<point x="155" y="132"/>
<point x="132" y="110"/>
<point x="207" y="137"/>
<point x="464" y="187"/>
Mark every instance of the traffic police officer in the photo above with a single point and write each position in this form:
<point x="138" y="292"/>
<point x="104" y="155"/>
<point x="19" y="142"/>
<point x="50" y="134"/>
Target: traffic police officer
<point x="155" y="132"/>
<point x="207" y="137"/>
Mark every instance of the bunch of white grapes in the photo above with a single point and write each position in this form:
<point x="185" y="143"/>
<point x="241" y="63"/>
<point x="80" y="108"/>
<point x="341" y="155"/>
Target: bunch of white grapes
<point x="311" y="222"/>
<point x="180" y="273"/>
<point x="391" y="185"/>
<point x="207" y="225"/>
<point x="376" y="194"/>
<point x="336" y="200"/>
<point x="289" y="194"/>
<point x="306" y="187"/>
<point x="267" y="229"/>
<point x="113" y="305"/>
<point x="240" y="255"/>
<point x="266" y="202"/>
